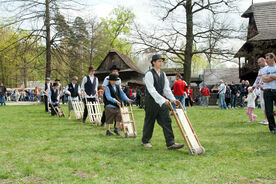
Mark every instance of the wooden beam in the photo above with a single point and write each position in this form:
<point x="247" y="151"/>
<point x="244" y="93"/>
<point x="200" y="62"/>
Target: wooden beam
<point x="239" y="67"/>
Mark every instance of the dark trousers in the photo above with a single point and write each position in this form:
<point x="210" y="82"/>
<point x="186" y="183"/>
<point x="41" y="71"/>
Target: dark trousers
<point x="189" y="102"/>
<point x="241" y="97"/>
<point x="53" y="111"/>
<point x="103" y="117"/>
<point x="85" y="107"/>
<point x="269" y="98"/>
<point x="233" y="100"/>
<point x="138" y="101"/>
<point x="227" y="101"/>
<point x="46" y="103"/>
<point x="161" y="114"/>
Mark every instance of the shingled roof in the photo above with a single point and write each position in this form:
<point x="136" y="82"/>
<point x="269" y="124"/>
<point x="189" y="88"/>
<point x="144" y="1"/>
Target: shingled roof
<point x="265" y="18"/>
<point x="125" y="59"/>
<point x="128" y="61"/>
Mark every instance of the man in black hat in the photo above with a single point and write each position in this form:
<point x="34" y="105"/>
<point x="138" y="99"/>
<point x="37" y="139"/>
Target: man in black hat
<point x="113" y="98"/>
<point x="59" y="85"/>
<point x="157" y="106"/>
<point x="48" y="87"/>
<point x="53" y="98"/>
<point x="113" y="70"/>
<point x="89" y="87"/>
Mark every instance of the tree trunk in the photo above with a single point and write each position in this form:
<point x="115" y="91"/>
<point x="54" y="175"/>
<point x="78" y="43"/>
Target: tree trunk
<point x="25" y="72"/>
<point x="48" y="39"/>
<point x="81" y="61"/>
<point x="189" y="42"/>
<point x="2" y="71"/>
<point x="91" y="52"/>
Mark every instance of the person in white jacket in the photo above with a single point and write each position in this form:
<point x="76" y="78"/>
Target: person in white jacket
<point x="251" y="105"/>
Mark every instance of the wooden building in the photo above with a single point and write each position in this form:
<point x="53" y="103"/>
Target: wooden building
<point x="129" y="72"/>
<point x="261" y="38"/>
<point x="213" y="76"/>
<point x="171" y="73"/>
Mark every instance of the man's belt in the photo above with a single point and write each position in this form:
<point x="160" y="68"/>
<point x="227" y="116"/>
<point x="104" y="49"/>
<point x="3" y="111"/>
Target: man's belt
<point x="270" y="90"/>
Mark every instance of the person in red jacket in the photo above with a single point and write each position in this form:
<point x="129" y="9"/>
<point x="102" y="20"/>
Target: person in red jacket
<point x="130" y="93"/>
<point x="205" y="93"/>
<point x="189" y="94"/>
<point x="179" y="89"/>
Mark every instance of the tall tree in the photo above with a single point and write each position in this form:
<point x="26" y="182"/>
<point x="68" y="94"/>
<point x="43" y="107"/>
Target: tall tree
<point x="117" y="27"/>
<point x="188" y="21"/>
<point x="38" y="17"/>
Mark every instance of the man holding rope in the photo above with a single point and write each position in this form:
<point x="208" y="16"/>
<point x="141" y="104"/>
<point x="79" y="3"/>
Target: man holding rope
<point x="157" y="106"/>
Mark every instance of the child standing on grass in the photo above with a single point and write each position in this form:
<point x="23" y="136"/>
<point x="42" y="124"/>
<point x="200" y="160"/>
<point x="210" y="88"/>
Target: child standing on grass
<point x="251" y="105"/>
<point x="113" y="98"/>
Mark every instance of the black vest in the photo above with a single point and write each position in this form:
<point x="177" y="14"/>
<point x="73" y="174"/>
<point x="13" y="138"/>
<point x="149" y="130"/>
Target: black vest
<point x="54" y="95"/>
<point x="73" y="91"/>
<point x="113" y="94"/>
<point x="89" y="87"/>
<point x="159" y="82"/>
<point x="46" y="86"/>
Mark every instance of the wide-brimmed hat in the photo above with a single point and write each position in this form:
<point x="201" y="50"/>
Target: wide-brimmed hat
<point x="156" y="57"/>
<point x="90" y="68"/>
<point x="48" y="79"/>
<point x="113" y="77"/>
<point x="57" y="79"/>
<point x="75" y="78"/>
<point x="114" y="67"/>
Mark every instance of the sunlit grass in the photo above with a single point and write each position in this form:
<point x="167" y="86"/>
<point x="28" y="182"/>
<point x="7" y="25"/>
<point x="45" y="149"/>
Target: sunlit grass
<point x="38" y="148"/>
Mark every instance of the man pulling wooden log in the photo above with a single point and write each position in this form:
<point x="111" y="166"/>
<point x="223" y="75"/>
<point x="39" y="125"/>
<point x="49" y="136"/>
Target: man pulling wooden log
<point x="157" y="106"/>
<point x="73" y="91"/>
<point x="89" y="87"/>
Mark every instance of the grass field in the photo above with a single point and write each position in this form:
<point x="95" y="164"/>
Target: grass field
<point x="38" y="148"/>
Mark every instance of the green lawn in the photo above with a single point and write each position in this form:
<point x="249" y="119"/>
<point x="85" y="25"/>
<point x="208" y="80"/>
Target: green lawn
<point x="38" y="148"/>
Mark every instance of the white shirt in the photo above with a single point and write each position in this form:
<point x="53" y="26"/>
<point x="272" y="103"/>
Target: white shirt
<point x="257" y="91"/>
<point x="269" y="70"/>
<point x="84" y="81"/>
<point x="259" y="81"/>
<point x="106" y="82"/>
<point x="222" y="88"/>
<point x="250" y="100"/>
<point x="149" y="81"/>
<point x="68" y="92"/>
<point x="48" y="89"/>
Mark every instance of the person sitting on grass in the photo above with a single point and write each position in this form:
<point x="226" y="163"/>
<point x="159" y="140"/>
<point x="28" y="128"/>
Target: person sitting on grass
<point x="113" y="97"/>
<point x="53" y="98"/>
<point x="251" y="105"/>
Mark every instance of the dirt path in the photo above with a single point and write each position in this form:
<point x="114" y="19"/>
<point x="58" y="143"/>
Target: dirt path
<point x="22" y="103"/>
